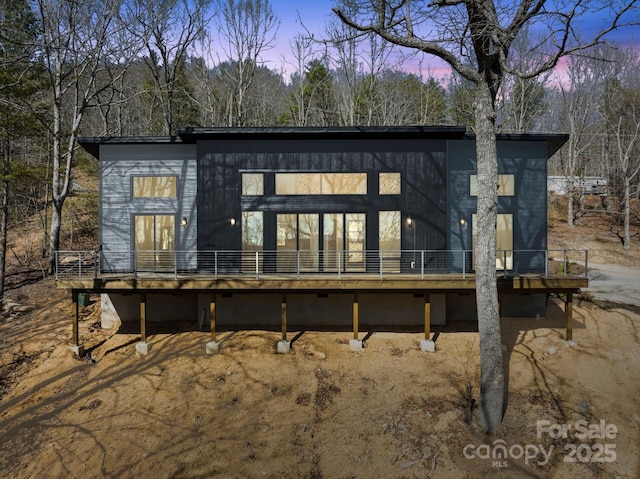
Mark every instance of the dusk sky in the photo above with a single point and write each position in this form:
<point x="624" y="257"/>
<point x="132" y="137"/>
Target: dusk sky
<point x="315" y="15"/>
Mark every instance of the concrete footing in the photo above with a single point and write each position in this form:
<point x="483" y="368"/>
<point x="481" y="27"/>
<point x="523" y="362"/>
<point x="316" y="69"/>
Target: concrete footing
<point x="78" y="351"/>
<point x="356" y="345"/>
<point x="143" y="348"/>
<point x="284" y="347"/>
<point x="212" y="347"/>
<point x="427" y="345"/>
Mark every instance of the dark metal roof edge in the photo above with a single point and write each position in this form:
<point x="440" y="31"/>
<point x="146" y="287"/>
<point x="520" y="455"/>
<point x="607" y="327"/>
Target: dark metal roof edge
<point x="92" y="143"/>
<point x="221" y="133"/>
<point x="554" y="141"/>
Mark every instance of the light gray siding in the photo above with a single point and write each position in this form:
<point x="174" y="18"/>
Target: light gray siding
<point x="118" y="165"/>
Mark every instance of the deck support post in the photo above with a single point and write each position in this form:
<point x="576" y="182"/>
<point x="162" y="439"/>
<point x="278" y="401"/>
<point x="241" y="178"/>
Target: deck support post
<point x="77" y="349"/>
<point x="568" y="309"/>
<point x="284" y="346"/>
<point x="213" y="346"/>
<point x="355" y="344"/>
<point x="143" y="347"/>
<point x="427" y="344"/>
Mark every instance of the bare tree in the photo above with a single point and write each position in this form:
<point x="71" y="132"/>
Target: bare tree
<point x="247" y="29"/>
<point x="168" y="30"/>
<point x="299" y="99"/>
<point x="522" y="100"/>
<point x="475" y="38"/>
<point x="79" y="41"/>
<point x="621" y="112"/>
<point x="579" y="94"/>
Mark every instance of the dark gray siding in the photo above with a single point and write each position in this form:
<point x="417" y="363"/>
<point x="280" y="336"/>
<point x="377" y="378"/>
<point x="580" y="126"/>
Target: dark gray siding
<point x="422" y="164"/>
<point x="118" y="164"/>
<point x="527" y="161"/>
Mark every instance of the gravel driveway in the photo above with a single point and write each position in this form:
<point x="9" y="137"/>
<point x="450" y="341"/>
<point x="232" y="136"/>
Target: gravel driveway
<point x="619" y="284"/>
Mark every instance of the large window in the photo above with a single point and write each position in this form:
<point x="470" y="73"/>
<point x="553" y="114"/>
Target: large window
<point x="389" y="183"/>
<point x="506" y="185"/>
<point x="321" y="183"/>
<point x="356" y="241"/>
<point x="252" y="184"/>
<point x="390" y="240"/>
<point x="504" y="241"/>
<point x="298" y="241"/>
<point x="252" y="240"/>
<point x="154" y="237"/>
<point x="155" y="186"/>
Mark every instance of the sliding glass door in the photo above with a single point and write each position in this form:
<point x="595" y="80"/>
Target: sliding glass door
<point x="299" y="248"/>
<point x="154" y="242"/>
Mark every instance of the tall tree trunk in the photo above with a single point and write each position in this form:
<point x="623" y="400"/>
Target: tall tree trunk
<point x="627" y="212"/>
<point x="54" y="233"/>
<point x="491" y="370"/>
<point x="6" y="160"/>
<point x="570" y="213"/>
<point x="569" y="173"/>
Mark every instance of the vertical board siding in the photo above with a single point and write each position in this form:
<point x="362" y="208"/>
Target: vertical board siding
<point x="118" y="165"/>
<point x="527" y="161"/>
<point x="422" y="164"/>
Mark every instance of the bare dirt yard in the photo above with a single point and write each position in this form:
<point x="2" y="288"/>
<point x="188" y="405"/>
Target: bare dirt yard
<point x="321" y="411"/>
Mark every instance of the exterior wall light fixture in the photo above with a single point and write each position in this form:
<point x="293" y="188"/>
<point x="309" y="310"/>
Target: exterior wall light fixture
<point x="463" y="224"/>
<point x="409" y="222"/>
<point x="184" y="222"/>
<point x="232" y="221"/>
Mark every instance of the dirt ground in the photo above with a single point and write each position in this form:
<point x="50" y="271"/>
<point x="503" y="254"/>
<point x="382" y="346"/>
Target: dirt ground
<point x="321" y="411"/>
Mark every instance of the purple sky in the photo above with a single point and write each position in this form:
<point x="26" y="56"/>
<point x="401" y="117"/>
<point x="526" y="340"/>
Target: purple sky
<point x="317" y="13"/>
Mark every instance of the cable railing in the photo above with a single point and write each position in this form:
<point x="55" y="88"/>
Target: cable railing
<point x="297" y="263"/>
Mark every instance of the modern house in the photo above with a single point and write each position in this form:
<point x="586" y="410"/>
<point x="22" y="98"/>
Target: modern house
<point x="298" y="228"/>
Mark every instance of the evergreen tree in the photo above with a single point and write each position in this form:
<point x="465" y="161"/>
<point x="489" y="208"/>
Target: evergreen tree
<point x="18" y="83"/>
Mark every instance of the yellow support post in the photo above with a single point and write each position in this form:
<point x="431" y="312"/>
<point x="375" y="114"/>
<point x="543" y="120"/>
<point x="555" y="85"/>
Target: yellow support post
<point x="75" y="336"/>
<point x="212" y="313"/>
<point x="355" y="316"/>
<point x="284" y="317"/>
<point x="569" y="312"/>
<point x="427" y="316"/>
<point x="143" y="318"/>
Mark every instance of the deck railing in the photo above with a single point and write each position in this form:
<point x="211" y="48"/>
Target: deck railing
<point x="294" y="264"/>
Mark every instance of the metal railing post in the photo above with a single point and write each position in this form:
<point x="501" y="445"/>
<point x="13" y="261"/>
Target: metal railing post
<point x="257" y="266"/>
<point x="135" y="264"/>
<point x="175" y="264"/>
<point x="546" y="263"/>
<point x="298" y="263"/>
<point x="79" y="265"/>
<point x="504" y="263"/>
<point x="215" y="264"/>
<point x="339" y="264"/>
<point x="564" y="262"/>
<point x="380" y="256"/>
<point x="586" y="262"/>
<point x="464" y="264"/>
<point x="422" y="264"/>
<point x="96" y="259"/>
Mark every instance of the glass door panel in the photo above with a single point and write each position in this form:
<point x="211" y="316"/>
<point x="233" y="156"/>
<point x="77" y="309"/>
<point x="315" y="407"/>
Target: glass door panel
<point x="154" y="242"/>
<point x="390" y="240"/>
<point x="333" y="242"/>
<point x="308" y="241"/>
<point x="504" y="241"/>
<point x="355" y="244"/>
<point x="286" y="241"/>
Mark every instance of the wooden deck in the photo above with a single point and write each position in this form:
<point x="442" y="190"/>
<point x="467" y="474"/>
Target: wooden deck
<point x="285" y="285"/>
<point x="320" y="283"/>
